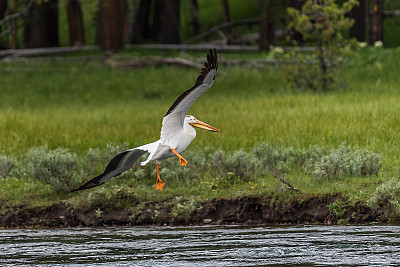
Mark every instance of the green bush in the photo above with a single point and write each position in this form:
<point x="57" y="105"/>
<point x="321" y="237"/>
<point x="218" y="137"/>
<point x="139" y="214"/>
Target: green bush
<point x="198" y="166"/>
<point x="346" y="162"/>
<point x="239" y="165"/>
<point x="183" y="207"/>
<point x="56" y="167"/>
<point x="97" y="198"/>
<point x="387" y="198"/>
<point x="288" y="158"/>
<point x="6" y="164"/>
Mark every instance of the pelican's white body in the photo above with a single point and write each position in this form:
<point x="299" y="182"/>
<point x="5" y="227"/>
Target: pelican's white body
<point x="179" y="139"/>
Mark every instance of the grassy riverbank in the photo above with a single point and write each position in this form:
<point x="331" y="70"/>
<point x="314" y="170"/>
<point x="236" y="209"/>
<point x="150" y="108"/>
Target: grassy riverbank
<point x="84" y="106"/>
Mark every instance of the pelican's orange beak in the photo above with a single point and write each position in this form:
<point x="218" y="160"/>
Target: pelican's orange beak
<point x="205" y="126"/>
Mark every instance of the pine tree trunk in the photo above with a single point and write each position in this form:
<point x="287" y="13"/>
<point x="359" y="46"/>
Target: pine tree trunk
<point x="14" y="33"/>
<point x="75" y="23"/>
<point x="227" y="19"/>
<point x="267" y="33"/>
<point x="141" y="30"/>
<point x="197" y="25"/>
<point x="170" y="26"/>
<point x="322" y="65"/>
<point x="41" y="28"/>
<point x="377" y="21"/>
<point x="3" y="8"/>
<point x="131" y="25"/>
<point x="114" y="17"/>
<point x="358" y="14"/>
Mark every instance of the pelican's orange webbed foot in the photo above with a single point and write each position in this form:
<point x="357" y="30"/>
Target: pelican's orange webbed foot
<point x="181" y="159"/>
<point x="159" y="183"/>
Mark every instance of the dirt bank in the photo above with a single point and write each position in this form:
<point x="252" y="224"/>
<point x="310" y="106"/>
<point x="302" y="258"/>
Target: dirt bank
<point x="246" y="210"/>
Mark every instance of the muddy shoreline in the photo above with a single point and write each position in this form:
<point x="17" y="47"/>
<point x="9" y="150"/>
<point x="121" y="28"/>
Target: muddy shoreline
<point x="245" y="210"/>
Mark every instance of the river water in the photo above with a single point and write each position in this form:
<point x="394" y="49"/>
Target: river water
<point x="203" y="246"/>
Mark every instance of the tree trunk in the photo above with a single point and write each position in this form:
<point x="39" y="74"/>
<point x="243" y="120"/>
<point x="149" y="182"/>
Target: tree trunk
<point x="41" y="29"/>
<point x="197" y="25"/>
<point x="157" y="20"/>
<point x="322" y="64"/>
<point x="358" y="14"/>
<point x="141" y="30"/>
<point x="294" y="35"/>
<point x="14" y="35"/>
<point x="368" y="21"/>
<point x="75" y="23"/>
<point x="377" y="21"/>
<point x="170" y="26"/>
<point x="114" y="16"/>
<point x="267" y="33"/>
<point x="99" y="38"/>
<point x="227" y="19"/>
<point x="131" y="25"/>
<point x="3" y="8"/>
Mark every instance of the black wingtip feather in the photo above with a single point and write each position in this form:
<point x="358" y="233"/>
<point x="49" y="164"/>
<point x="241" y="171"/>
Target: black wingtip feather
<point x="113" y="164"/>
<point x="212" y="63"/>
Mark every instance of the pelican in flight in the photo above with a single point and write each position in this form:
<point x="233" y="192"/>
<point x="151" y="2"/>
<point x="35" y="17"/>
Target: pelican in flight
<point x="177" y="132"/>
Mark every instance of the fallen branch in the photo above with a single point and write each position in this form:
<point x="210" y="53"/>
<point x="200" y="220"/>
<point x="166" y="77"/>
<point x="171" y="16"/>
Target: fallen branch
<point x="391" y="13"/>
<point x="43" y="51"/>
<point x="141" y="63"/>
<point x="195" y="47"/>
<point x="12" y="17"/>
<point x="257" y="62"/>
<point x="279" y="175"/>
<point x="46" y="51"/>
<point x="16" y="15"/>
<point x="222" y="27"/>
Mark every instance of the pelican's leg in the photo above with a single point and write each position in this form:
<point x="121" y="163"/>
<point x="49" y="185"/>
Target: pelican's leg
<point x="159" y="183"/>
<point x="181" y="159"/>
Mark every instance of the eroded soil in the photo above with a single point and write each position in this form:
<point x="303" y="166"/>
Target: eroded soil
<point x="246" y="210"/>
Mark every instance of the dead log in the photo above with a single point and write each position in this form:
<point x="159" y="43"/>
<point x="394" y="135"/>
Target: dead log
<point x="221" y="27"/>
<point x="145" y="62"/>
<point x="43" y="51"/>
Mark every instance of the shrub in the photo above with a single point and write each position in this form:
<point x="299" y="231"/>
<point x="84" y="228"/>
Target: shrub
<point x="269" y="155"/>
<point x="387" y="197"/>
<point x="346" y="162"/>
<point x="56" y="168"/>
<point x="6" y="164"/>
<point x="308" y="157"/>
<point x="240" y="164"/>
<point x="97" y="198"/>
<point x="285" y="159"/>
<point x="198" y="165"/>
<point x="182" y="207"/>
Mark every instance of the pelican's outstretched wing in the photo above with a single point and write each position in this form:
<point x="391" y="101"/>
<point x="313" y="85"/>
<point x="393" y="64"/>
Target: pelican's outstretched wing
<point x="119" y="164"/>
<point x="176" y="113"/>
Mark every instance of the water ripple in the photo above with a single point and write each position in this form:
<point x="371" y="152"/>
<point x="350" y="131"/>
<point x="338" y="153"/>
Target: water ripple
<point x="203" y="246"/>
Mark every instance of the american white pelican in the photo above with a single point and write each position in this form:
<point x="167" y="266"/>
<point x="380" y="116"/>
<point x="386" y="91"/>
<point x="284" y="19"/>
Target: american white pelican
<point x="177" y="131"/>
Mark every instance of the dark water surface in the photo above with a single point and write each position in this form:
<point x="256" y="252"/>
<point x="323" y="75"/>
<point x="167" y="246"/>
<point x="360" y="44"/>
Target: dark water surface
<point x="203" y="246"/>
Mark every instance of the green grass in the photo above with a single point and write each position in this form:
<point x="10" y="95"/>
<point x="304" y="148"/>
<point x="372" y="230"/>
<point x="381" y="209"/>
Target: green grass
<point x="81" y="106"/>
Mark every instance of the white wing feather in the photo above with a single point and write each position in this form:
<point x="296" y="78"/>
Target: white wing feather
<point x="173" y="120"/>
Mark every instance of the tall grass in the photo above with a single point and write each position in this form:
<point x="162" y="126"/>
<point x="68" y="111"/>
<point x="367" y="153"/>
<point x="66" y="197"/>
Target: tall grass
<point x="82" y="106"/>
<point x="78" y="107"/>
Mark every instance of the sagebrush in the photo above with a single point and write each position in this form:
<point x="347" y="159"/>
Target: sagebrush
<point x="387" y="198"/>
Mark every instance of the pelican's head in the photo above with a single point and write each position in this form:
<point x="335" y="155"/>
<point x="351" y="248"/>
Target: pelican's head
<point x="191" y="120"/>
